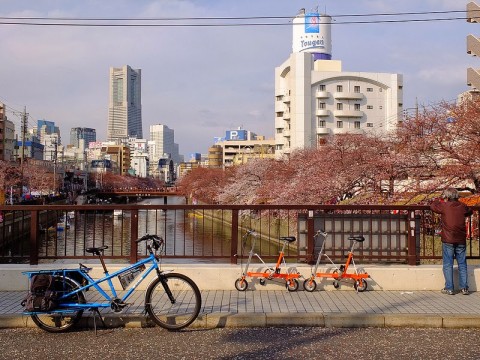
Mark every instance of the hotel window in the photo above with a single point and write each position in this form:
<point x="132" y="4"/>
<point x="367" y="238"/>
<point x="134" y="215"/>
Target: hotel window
<point x="380" y="90"/>
<point x="322" y="123"/>
<point x="369" y="124"/>
<point x="369" y="89"/>
<point x="370" y="107"/>
<point x="400" y="104"/>
<point x="339" y="88"/>
<point x="321" y="105"/>
<point x="357" y="124"/>
<point x="356" y="89"/>
<point x="339" y="124"/>
<point x="339" y="106"/>
<point x="279" y="130"/>
<point x="380" y="107"/>
<point x="357" y="107"/>
<point x="321" y="87"/>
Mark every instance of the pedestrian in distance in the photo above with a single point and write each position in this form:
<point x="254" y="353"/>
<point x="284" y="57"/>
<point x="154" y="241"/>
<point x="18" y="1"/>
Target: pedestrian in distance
<point x="454" y="235"/>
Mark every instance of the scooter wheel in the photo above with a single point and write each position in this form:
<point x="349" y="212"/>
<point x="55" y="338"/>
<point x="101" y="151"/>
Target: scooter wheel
<point x="360" y="285"/>
<point x="336" y="284"/>
<point x="309" y="285"/>
<point x="241" y="284"/>
<point x="292" y="285"/>
<point x="263" y="282"/>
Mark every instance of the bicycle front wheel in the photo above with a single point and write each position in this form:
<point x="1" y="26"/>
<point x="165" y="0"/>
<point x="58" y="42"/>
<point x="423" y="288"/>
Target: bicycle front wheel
<point x="178" y="310"/>
<point x="61" y="319"/>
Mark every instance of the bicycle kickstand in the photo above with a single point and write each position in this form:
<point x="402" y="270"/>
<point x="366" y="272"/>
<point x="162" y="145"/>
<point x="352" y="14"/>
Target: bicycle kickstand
<point x="95" y="312"/>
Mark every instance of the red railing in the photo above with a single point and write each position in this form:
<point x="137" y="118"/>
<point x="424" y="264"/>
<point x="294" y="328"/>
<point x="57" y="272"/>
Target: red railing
<point x="214" y="233"/>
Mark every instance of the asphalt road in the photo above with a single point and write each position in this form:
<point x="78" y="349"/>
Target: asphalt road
<point x="243" y="343"/>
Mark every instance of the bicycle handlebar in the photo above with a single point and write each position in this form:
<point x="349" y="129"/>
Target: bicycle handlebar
<point x="252" y="232"/>
<point x="157" y="240"/>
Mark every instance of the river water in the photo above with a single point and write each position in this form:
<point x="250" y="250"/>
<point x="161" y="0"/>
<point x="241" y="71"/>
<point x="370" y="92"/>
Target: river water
<point x="187" y="234"/>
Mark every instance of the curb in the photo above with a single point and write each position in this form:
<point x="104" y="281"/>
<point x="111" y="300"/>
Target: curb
<point x="236" y="320"/>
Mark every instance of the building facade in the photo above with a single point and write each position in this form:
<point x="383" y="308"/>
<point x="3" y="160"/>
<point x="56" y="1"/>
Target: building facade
<point x="7" y="136"/>
<point x="125" y="104"/>
<point x="80" y="137"/>
<point x="315" y="98"/>
<point x="162" y="146"/>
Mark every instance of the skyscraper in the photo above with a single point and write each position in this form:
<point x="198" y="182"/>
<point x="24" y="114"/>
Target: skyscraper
<point x="125" y="104"/>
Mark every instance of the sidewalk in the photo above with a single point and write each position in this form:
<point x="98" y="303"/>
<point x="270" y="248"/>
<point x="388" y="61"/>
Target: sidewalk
<point x="337" y="308"/>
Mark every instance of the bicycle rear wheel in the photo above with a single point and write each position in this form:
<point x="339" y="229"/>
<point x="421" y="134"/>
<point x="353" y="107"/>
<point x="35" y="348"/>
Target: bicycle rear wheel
<point x="61" y="319"/>
<point x="179" y="312"/>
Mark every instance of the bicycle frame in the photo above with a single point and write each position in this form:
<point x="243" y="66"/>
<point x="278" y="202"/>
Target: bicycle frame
<point x="92" y="283"/>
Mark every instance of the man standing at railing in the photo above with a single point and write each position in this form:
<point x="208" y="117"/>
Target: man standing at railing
<point x="454" y="235"/>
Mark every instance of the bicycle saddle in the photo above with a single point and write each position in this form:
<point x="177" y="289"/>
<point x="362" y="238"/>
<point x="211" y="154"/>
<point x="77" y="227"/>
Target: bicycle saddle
<point x="96" y="250"/>
<point x="357" y="238"/>
<point x="288" y="238"/>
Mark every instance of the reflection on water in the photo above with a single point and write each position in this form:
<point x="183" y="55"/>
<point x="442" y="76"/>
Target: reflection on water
<point x="186" y="233"/>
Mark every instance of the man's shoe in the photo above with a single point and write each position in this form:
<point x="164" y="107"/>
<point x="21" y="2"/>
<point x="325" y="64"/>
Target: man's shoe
<point x="465" y="291"/>
<point x="448" y="292"/>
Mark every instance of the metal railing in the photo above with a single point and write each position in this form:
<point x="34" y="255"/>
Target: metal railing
<point x="214" y="233"/>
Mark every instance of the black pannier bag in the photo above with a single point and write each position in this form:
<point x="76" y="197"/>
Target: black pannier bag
<point x="42" y="295"/>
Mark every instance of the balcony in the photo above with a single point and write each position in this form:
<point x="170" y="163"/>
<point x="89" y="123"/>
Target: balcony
<point x="323" y="131"/>
<point x="322" y="95"/>
<point x="279" y="106"/>
<point x="348" y="113"/>
<point x="345" y="95"/>
<point x="286" y="115"/>
<point x="322" y="112"/>
<point x="286" y="99"/>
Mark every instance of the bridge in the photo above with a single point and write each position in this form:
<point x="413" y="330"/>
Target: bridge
<point x="171" y="191"/>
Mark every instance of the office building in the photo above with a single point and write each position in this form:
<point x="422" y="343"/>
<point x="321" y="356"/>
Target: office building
<point x="80" y="137"/>
<point x="7" y="136"/>
<point x="125" y="104"/>
<point x="162" y="145"/>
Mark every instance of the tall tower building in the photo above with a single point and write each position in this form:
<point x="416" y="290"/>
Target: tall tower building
<point x="125" y="104"/>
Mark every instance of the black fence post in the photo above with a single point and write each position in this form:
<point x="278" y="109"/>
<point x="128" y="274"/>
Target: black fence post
<point x="33" y="237"/>
<point x="412" y="238"/>
<point x="234" y="244"/>
<point x="133" y="236"/>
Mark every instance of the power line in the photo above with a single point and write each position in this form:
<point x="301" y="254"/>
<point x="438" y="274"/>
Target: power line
<point x="219" y="17"/>
<point x="226" y="24"/>
<point x="251" y="20"/>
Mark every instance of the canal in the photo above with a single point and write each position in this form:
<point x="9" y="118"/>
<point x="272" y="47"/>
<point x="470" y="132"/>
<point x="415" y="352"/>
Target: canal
<point x="187" y="234"/>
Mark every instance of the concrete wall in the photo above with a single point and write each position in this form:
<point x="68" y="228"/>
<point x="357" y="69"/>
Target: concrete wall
<point x="223" y="276"/>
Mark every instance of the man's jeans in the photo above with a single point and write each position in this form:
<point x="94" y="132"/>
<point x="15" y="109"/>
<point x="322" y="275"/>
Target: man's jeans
<point x="459" y="252"/>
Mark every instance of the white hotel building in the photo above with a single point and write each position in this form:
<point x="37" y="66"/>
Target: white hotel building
<point x="314" y="98"/>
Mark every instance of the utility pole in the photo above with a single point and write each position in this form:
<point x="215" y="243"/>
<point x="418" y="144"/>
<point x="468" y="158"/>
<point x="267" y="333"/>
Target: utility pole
<point x="24" y="134"/>
<point x="24" y="137"/>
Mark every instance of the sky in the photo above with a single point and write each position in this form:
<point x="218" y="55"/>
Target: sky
<point x="203" y="81"/>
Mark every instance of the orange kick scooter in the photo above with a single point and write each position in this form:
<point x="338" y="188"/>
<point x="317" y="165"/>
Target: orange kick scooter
<point x="290" y="276"/>
<point x="339" y="273"/>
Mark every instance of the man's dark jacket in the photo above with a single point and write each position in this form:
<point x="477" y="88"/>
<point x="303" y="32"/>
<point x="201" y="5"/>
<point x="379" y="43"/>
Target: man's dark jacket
<point x="453" y="220"/>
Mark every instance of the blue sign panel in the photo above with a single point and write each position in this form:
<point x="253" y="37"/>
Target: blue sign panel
<point x="312" y="23"/>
